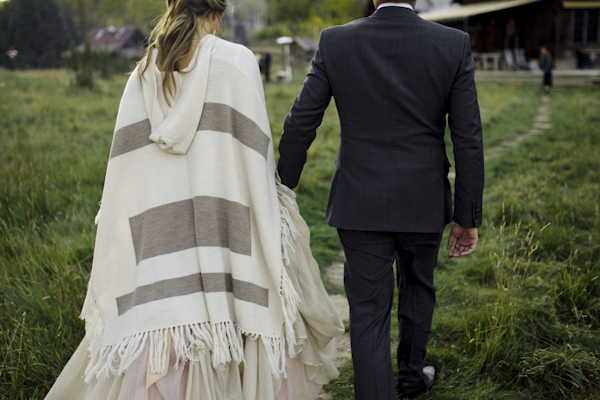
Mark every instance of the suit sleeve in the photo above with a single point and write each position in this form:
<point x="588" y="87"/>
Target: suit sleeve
<point x="304" y="118"/>
<point x="466" y="133"/>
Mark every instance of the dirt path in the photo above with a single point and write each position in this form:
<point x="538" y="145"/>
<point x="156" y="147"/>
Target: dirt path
<point x="335" y="272"/>
<point x="542" y="122"/>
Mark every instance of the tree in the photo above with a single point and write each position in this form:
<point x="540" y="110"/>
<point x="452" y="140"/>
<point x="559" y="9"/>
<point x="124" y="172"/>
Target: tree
<point x="37" y="30"/>
<point x="90" y="14"/>
<point x="293" y="10"/>
<point x="248" y="8"/>
<point x="334" y="11"/>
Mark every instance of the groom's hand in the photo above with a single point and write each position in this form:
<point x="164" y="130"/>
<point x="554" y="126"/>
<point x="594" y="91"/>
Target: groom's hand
<point x="466" y="241"/>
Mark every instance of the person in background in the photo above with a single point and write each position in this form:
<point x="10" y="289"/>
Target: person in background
<point x="12" y="57"/>
<point x="265" y="64"/>
<point x="546" y="66"/>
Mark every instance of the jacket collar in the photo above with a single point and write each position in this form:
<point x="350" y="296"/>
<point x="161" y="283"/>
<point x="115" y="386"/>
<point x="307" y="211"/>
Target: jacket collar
<point x="393" y="12"/>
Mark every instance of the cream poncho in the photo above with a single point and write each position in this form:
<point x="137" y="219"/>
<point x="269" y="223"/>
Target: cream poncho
<point x="198" y="249"/>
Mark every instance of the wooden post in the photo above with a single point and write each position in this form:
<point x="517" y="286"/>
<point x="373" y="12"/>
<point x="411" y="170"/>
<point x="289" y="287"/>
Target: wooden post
<point x="287" y="62"/>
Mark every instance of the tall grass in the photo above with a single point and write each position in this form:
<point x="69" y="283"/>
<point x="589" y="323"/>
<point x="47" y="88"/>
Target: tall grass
<point x="517" y="320"/>
<point x="55" y="142"/>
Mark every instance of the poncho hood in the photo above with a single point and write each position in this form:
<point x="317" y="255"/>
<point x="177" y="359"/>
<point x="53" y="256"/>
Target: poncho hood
<point x="174" y="131"/>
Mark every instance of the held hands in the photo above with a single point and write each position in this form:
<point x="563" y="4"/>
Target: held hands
<point x="466" y="241"/>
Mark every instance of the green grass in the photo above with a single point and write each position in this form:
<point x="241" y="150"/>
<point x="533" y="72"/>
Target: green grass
<point x="55" y="143"/>
<point x="517" y="320"/>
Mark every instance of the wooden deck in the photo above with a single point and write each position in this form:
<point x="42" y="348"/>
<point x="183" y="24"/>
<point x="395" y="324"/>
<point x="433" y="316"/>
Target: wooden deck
<point x="561" y="78"/>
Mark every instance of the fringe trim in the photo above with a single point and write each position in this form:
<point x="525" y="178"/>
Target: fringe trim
<point x="224" y="340"/>
<point x="90" y="313"/>
<point x="276" y="355"/>
<point x="290" y="300"/>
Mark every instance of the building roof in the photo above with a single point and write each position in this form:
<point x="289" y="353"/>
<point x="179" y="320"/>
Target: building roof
<point x="424" y="6"/>
<point x="112" y="38"/>
<point x="307" y="44"/>
<point x="581" y="4"/>
<point x="473" y="9"/>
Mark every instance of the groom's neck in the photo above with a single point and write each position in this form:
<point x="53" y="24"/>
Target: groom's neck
<point x="377" y="3"/>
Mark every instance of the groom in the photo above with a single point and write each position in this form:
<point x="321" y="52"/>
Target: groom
<point x="395" y="78"/>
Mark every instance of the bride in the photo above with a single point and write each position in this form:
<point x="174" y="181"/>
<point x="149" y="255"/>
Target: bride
<point x="203" y="285"/>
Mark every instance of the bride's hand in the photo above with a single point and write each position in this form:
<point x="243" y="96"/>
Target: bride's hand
<point x="466" y="241"/>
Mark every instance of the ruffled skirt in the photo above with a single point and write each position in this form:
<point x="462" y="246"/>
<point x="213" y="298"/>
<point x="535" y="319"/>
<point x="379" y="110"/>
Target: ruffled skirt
<point x="198" y="380"/>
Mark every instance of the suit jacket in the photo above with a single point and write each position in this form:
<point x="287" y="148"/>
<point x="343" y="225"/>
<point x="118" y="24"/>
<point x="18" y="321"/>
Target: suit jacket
<point x="395" y="77"/>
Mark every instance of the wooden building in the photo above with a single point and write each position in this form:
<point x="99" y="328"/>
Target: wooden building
<point x="127" y="40"/>
<point x="302" y="51"/>
<point x="569" y="29"/>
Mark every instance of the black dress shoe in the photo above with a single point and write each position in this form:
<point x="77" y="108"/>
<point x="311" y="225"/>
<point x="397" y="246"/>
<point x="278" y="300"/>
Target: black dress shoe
<point x="411" y="392"/>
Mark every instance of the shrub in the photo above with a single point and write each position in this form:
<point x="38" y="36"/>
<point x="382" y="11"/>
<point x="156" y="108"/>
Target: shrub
<point x="88" y="62"/>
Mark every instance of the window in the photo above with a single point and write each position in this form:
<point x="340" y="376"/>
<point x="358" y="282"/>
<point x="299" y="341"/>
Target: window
<point x="586" y="30"/>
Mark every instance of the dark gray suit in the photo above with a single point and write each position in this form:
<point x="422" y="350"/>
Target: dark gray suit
<point x="395" y="78"/>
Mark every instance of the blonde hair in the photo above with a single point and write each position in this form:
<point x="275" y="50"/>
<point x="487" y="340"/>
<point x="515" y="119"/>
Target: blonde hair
<point x="173" y="36"/>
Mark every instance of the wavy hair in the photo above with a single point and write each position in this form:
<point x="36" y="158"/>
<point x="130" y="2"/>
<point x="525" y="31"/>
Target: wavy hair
<point x="173" y="35"/>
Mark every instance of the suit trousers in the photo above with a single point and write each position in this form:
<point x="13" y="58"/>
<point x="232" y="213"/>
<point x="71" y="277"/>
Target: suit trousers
<point x="369" y="284"/>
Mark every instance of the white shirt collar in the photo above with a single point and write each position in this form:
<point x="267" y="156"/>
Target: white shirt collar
<point x="405" y="5"/>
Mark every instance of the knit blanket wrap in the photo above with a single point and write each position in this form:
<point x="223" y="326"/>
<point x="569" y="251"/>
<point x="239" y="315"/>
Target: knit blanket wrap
<point x="193" y="240"/>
